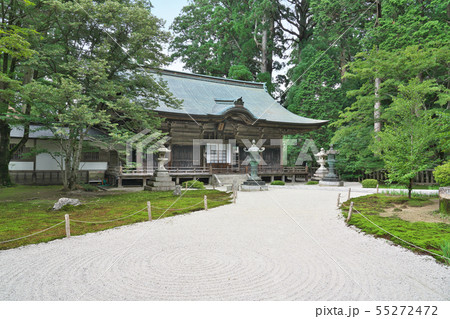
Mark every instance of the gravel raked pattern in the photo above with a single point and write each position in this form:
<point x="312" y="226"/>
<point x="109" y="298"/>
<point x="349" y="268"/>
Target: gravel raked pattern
<point x="251" y="250"/>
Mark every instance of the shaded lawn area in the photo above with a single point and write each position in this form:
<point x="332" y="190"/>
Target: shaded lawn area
<point x="429" y="236"/>
<point x="28" y="209"/>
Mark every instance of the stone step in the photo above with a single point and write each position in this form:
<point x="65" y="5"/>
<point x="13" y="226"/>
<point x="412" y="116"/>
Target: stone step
<point x="228" y="179"/>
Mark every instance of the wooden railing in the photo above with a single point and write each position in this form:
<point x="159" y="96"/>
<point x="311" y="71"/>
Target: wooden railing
<point x="263" y="169"/>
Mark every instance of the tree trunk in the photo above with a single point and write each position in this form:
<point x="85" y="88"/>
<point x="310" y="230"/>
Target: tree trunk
<point x="410" y="188"/>
<point x="343" y="62"/>
<point x="73" y="161"/>
<point x="377" y="107"/>
<point x="5" y="155"/>
<point x="266" y="51"/>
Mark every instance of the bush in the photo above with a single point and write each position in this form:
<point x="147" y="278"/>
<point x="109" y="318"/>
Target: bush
<point x="278" y="183"/>
<point x="193" y="184"/>
<point x="88" y="188"/>
<point x="369" y="183"/>
<point x="442" y="174"/>
<point x="446" y="250"/>
<point x="312" y="183"/>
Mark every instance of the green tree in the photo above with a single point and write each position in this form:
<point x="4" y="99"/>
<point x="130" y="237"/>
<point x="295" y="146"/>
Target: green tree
<point x="316" y="93"/>
<point x="240" y="72"/>
<point x="394" y="68"/>
<point x="15" y="49"/>
<point x="95" y="75"/>
<point x="406" y="143"/>
<point x="211" y="36"/>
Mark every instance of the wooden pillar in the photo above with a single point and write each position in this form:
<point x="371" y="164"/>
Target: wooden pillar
<point x="119" y="182"/>
<point x="293" y="179"/>
<point x="283" y="178"/>
<point x="272" y="178"/>
<point x="177" y="180"/>
<point x="66" y="217"/>
<point x="149" y="210"/>
<point x="350" y="211"/>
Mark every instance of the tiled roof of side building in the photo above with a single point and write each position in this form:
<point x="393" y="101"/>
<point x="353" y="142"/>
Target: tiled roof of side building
<point x="207" y="95"/>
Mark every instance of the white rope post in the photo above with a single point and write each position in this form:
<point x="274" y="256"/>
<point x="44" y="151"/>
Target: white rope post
<point x="66" y="217"/>
<point x="205" y="200"/>
<point x="234" y="196"/>
<point x="349" y="193"/>
<point x="350" y="211"/>
<point x="149" y="210"/>
<point x="339" y="200"/>
<point x="377" y="188"/>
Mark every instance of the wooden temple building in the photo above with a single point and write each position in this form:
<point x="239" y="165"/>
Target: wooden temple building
<point x="225" y="115"/>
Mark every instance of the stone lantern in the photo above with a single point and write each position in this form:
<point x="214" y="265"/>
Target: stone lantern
<point x="331" y="179"/>
<point x="322" y="171"/>
<point x="162" y="151"/>
<point x="161" y="180"/>
<point x="254" y="182"/>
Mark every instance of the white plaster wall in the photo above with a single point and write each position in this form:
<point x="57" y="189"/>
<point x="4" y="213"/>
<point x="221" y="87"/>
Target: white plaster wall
<point x="93" y="166"/>
<point x="21" y="166"/>
<point x="44" y="162"/>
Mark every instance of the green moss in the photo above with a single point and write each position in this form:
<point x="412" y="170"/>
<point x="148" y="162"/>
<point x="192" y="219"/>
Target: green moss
<point x="27" y="214"/>
<point x="428" y="236"/>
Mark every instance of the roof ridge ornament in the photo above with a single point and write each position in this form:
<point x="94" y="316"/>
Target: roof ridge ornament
<point x="239" y="102"/>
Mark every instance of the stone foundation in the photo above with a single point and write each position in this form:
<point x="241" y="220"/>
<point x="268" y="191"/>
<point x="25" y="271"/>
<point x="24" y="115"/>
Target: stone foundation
<point x="444" y="200"/>
<point x="161" y="181"/>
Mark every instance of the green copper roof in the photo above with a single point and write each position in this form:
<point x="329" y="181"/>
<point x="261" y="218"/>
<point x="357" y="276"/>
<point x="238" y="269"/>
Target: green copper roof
<point x="207" y="95"/>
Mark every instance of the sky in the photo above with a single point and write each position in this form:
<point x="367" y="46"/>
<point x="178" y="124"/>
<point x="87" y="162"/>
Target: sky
<point x="168" y="10"/>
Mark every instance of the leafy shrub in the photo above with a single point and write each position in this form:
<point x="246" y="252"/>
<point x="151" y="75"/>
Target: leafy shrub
<point x="442" y="174"/>
<point x="278" y="183"/>
<point x="446" y="250"/>
<point x="193" y="184"/>
<point x="312" y="183"/>
<point x="369" y="183"/>
<point x="88" y="188"/>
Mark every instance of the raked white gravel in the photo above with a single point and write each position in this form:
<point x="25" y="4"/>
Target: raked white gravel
<point x="284" y="244"/>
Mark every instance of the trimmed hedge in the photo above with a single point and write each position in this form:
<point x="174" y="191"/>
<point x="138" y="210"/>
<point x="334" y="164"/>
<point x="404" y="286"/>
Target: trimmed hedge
<point x="278" y="183"/>
<point x="312" y="183"/>
<point x="193" y="184"/>
<point x="369" y="183"/>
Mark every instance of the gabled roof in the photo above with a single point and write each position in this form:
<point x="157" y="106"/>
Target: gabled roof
<point x="214" y="97"/>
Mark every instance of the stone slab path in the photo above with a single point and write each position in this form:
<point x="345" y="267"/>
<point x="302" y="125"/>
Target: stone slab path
<point x="284" y="244"/>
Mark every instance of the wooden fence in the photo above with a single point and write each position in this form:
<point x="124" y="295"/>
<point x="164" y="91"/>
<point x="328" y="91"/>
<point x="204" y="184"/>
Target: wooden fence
<point x="424" y="177"/>
<point x="43" y="177"/>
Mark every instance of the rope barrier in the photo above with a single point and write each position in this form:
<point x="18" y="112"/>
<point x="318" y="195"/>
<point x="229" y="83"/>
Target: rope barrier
<point x="175" y="209"/>
<point x="219" y="201"/>
<point x="106" y="221"/>
<point x="41" y="231"/>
